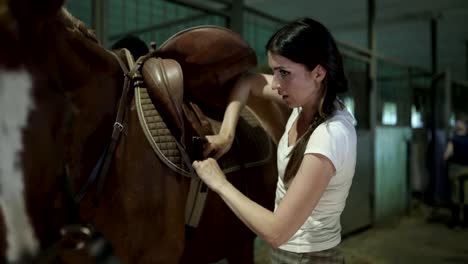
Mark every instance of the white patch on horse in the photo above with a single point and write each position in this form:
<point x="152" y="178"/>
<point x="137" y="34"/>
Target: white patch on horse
<point x="15" y="104"/>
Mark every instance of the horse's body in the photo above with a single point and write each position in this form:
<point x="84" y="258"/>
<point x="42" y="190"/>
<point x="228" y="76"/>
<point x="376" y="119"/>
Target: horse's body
<point x="76" y="86"/>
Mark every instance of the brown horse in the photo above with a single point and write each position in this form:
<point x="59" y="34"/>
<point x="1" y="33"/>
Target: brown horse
<point x="75" y="88"/>
<point x="33" y="109"/>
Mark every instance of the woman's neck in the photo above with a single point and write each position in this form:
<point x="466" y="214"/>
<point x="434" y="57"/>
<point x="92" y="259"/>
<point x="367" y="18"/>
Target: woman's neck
<point x="308" y="112"/>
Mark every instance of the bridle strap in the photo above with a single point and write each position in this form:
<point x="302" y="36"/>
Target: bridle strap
<point x="102" y="166"/>
<point x="118" y="124"/>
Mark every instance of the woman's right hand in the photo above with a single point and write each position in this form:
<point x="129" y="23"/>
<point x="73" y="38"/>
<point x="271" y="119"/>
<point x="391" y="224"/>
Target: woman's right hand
<point x="217" y="145"/>
<point x="209" y="171"/>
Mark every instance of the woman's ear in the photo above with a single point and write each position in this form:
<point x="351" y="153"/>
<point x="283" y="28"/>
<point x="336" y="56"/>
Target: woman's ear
<point x="319" y="73"/>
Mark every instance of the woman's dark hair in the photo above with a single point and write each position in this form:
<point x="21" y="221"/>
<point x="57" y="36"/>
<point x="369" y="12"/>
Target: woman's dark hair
<point x="308" y="42"/>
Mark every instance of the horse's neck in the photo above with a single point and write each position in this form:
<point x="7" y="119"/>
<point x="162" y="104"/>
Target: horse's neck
<point x="95" y="81"/>
<point x="83" y="61"/>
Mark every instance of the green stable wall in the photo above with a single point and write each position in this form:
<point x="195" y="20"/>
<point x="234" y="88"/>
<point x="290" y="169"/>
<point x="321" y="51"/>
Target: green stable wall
<point x="391" y="195"/>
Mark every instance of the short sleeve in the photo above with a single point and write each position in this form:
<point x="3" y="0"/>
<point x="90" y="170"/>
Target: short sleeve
<point x="331" y="141"/>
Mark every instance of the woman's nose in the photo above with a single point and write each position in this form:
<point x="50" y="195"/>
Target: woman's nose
<point x="275" y="85"/>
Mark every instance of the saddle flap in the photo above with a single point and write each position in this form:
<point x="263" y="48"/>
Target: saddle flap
<point x="164" y="80"/>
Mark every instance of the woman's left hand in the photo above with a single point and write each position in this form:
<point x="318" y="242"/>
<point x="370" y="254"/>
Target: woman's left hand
<point x="209" y="171"/>
<point x="217" y="145"/>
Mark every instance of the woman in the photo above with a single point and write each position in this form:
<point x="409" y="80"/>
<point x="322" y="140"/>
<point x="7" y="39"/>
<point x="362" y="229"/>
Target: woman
<point x="316" y="154"/>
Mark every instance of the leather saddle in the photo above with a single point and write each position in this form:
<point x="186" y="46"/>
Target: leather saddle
<point x="191" y="74"/>
<point x="196" y="65"/>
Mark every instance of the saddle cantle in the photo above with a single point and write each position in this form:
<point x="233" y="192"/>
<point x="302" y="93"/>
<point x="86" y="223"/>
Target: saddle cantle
<point x="211" y="59"/>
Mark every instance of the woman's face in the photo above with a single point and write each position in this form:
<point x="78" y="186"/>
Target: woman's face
<point x="295" y="83"/>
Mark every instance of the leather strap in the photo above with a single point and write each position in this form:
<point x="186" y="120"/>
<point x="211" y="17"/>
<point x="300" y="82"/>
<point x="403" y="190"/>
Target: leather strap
<point x="118" y="124"/>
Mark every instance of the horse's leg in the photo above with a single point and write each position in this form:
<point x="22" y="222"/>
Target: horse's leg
<point x="244" y="254"/>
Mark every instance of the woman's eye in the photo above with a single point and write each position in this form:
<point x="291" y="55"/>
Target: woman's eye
<point x="283" y="73"/>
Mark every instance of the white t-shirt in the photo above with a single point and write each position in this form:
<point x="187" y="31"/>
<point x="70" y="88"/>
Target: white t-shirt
<point x="336" y="140"/>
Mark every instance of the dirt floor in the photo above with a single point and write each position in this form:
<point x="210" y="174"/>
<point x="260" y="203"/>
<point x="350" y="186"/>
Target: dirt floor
<point x="420" y="237"/>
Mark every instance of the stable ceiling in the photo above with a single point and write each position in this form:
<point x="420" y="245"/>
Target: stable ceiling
<point x="403" y="27"/>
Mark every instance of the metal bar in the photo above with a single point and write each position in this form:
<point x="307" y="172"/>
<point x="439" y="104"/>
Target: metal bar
<point x="372" y="102"/>
<point x="236" y="18"/>
<point x="466" y="65"/>
<point x="265" y="15"/>
<point x="203" y="8"/>
<point x="371" y="43"/>
<point x="124" y="15"/>
<point x="391" y="21"/>
<point x="434" y="45"/>
<point x="396" y="62"/>
<point x="408" y="99"/>
<point x="400" y="77"/>
<point x="355" y="56"/>
<point x="433" y="94"/>
<point x="158" y="26"/>
<point x="448" y="102"/>
<point x="361" y="50"/>
<point x="256" y="12"/>
<point x="152" y="36"/>
<point x="100" y="20"/>
<point x="411" y="77"/>
<point x="137" y="17"/>
<point x="368" y="53"/>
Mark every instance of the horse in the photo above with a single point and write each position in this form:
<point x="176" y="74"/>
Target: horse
<point x="74" y="87"/>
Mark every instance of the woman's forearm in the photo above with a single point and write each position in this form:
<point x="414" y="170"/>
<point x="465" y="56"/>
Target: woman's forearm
<point x="237" y="101"/>
<point x="259" y="219"/>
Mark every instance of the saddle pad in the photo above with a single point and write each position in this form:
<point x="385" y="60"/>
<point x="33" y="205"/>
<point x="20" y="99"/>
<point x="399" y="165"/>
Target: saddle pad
<point x="157" y="133"/>
<point x="252" y="146"/>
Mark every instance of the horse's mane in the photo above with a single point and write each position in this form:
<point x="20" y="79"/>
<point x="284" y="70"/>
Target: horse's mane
<point x="76" y="25"/>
